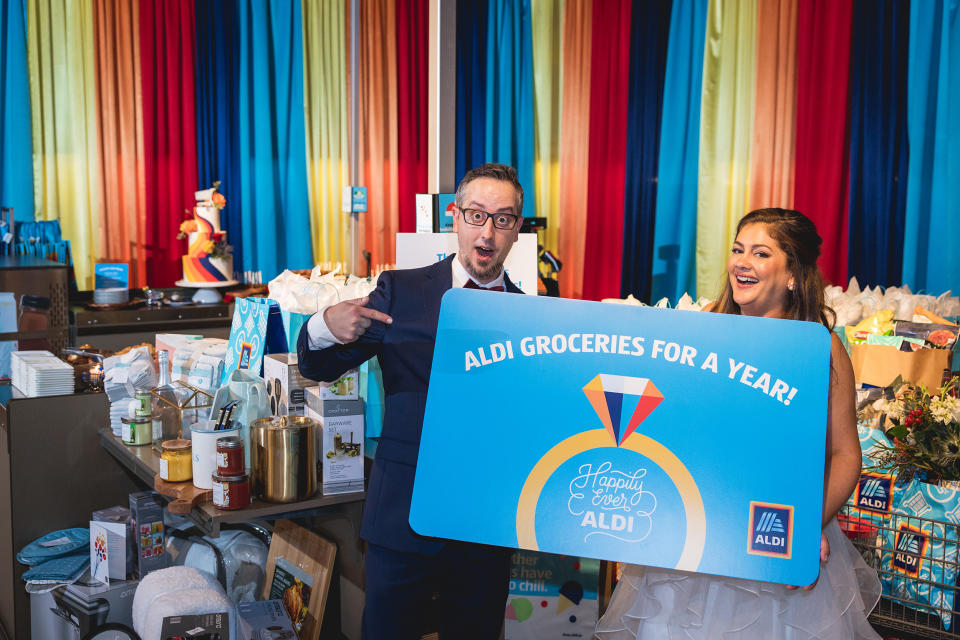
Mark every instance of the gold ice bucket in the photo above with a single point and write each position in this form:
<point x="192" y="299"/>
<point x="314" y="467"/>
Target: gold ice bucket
<point x="283" y="458"/>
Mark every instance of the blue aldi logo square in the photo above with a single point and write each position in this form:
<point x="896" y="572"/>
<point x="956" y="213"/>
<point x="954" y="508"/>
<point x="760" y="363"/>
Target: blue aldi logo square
<point x="246" y="351"/>
<point x="910" y="545"/>
<point x="771" y="530"/>
<point x="875" y="492"/>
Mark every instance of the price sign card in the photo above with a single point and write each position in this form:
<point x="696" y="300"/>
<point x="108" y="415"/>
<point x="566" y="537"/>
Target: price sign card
<point x="666" y="438"/>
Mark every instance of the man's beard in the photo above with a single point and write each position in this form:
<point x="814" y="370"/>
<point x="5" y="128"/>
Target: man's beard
<point x="487" y="273"/>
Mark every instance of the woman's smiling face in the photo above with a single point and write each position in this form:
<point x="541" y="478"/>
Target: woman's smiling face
<point x="759" y="276"/>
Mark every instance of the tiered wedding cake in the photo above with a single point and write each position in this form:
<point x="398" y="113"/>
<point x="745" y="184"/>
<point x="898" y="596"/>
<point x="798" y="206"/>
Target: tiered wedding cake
<point x="208" y="258"/>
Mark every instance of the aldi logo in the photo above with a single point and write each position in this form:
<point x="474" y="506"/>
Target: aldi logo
<point x="910" y="545"/>
<point x="771" y="530"/>
<point x="875" y="492"/>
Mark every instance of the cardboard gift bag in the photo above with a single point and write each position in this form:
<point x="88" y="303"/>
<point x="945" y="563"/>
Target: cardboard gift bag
<point x="879" y="365"/>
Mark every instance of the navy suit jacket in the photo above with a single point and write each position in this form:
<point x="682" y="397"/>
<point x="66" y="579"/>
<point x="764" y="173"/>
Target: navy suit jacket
<point x="405" y="349"/>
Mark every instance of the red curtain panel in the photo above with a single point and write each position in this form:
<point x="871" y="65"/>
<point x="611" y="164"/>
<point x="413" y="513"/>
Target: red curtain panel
<point x="412" y="57"/>
<point x="167" y="51"/>
<point x="822" y="177"/>
<point x="610" y="59"/>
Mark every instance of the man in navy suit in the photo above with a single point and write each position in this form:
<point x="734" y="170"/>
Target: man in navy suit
<point x="397" y="323"/>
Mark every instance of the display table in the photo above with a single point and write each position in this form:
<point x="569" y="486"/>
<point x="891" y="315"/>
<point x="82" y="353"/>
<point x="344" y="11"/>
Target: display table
<point x="53" y="475"/>
<point x="145" y="463"/>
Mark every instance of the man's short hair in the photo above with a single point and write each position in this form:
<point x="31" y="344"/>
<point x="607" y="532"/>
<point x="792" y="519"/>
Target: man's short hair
<point x="502" y="172"/>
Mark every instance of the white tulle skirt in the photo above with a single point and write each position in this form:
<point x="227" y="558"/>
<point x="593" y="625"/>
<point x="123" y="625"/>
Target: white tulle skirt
<point x="661" y="604"/>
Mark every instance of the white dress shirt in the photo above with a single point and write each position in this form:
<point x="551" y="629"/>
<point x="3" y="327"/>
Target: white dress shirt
<point x="320" y="337"/>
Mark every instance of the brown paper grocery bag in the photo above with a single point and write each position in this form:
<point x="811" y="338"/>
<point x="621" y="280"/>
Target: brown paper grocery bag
<point x="880" y="365"/>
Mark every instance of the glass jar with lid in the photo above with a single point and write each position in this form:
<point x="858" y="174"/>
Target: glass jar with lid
<point x="176" y="460"/>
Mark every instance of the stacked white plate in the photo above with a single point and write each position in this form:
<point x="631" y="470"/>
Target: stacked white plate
<point x="40" y="373"/>
<point x="114" y="295"/>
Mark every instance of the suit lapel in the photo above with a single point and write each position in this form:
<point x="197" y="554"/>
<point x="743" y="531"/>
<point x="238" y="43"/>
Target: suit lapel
<point x="509" y="286"/>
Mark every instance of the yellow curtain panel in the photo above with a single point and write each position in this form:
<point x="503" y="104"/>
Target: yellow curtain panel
<point x="120" y="118"/>
<point x="325" y="98"/>
<point x="63" y="109"/>
<point x="547" y="33"/>
<point x="726" y="135"/>
<point x="775" y="111"/>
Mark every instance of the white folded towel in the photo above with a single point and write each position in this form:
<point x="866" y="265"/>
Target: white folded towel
<point x="178" y="591"/>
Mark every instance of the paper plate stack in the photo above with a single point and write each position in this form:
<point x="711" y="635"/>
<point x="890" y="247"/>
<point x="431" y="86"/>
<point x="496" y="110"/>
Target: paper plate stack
<point x="115" y="295"/>
<point x="40" y="373"/>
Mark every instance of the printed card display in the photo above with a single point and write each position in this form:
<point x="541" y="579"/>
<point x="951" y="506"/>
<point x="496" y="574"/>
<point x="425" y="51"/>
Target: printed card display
<point x="551" y="597"/>
<point x="108" y="551"/>
<point x="111" y="276"/>
<point x="666" y="438"/>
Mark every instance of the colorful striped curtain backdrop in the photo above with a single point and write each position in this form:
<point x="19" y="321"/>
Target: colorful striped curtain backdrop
<point x="642" y="130"/>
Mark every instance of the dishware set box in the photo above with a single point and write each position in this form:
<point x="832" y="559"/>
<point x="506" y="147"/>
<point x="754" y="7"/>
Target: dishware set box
<point x="340" y="444"/>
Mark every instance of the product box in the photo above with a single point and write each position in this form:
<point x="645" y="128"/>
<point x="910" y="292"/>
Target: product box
<point x="266" y="619"/>
<point x="435" y="212"/>
<point x="203" y="626"/>
<point x="146" y="509"/>
<point x="346" y="388"/>
<point x="86" y="603"/>
<point x="285" y="385"/>
<point x="340" y="445"/>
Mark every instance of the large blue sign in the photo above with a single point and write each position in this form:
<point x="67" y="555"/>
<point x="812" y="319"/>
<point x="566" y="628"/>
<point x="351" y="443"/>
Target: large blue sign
<point x="667" y="438"/>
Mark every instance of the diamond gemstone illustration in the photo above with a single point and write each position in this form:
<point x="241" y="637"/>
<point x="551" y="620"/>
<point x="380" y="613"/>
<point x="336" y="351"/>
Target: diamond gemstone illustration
<point x="622" y="402"/>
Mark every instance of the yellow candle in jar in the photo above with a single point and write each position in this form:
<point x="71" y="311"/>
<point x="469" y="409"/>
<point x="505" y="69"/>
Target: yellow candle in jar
<point x="176" y="461"/>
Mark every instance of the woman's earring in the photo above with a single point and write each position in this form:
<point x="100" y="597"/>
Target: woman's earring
<point x="790" y="285"/>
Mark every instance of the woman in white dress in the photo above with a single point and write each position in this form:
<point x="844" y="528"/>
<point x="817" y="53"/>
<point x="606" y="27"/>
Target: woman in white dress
<point x="772" y="272"/>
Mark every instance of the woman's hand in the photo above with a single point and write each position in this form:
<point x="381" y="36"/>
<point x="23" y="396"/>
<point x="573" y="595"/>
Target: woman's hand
<point x="824" y="556"/>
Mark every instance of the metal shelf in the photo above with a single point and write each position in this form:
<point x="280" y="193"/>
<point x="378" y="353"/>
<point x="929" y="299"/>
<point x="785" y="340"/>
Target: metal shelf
<point x="145" y="463"/>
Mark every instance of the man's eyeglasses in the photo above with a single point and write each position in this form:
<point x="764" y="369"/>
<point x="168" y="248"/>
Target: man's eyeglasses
<point x="478" y="218"/>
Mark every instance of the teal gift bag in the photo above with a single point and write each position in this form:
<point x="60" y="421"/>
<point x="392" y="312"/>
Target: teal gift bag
<point x="292" y="322"/>
<point x="257" y="330"/>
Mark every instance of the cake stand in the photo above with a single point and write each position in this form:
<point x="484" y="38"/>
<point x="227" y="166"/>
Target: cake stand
<point x="206" y="291"/>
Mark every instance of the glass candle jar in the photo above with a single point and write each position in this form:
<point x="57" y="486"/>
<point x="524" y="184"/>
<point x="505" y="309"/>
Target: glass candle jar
<point x="230" y="457"/>
<point x="144" y="406"/>
<point x="231" y="492"/>
<point x="176" y="462"/>
<point x="136" y="431"/>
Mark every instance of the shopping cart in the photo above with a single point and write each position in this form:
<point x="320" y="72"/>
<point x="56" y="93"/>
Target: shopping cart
<point x="899" y="613"/>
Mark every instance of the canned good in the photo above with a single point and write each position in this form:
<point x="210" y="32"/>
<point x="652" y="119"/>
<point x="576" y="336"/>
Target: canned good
<point x="144" y="406"/>
<point x="230" y="460"/>
<point x="176" y="461"/>
<point x="231" y="492"/>
<point x="136" y="431"/>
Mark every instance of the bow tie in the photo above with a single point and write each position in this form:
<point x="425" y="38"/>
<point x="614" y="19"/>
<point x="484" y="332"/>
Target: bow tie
<point x="470" y="284"/>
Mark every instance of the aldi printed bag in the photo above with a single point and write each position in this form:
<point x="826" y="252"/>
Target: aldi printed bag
<point x="257" y="330"/>
<point x="920" y="549"/>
